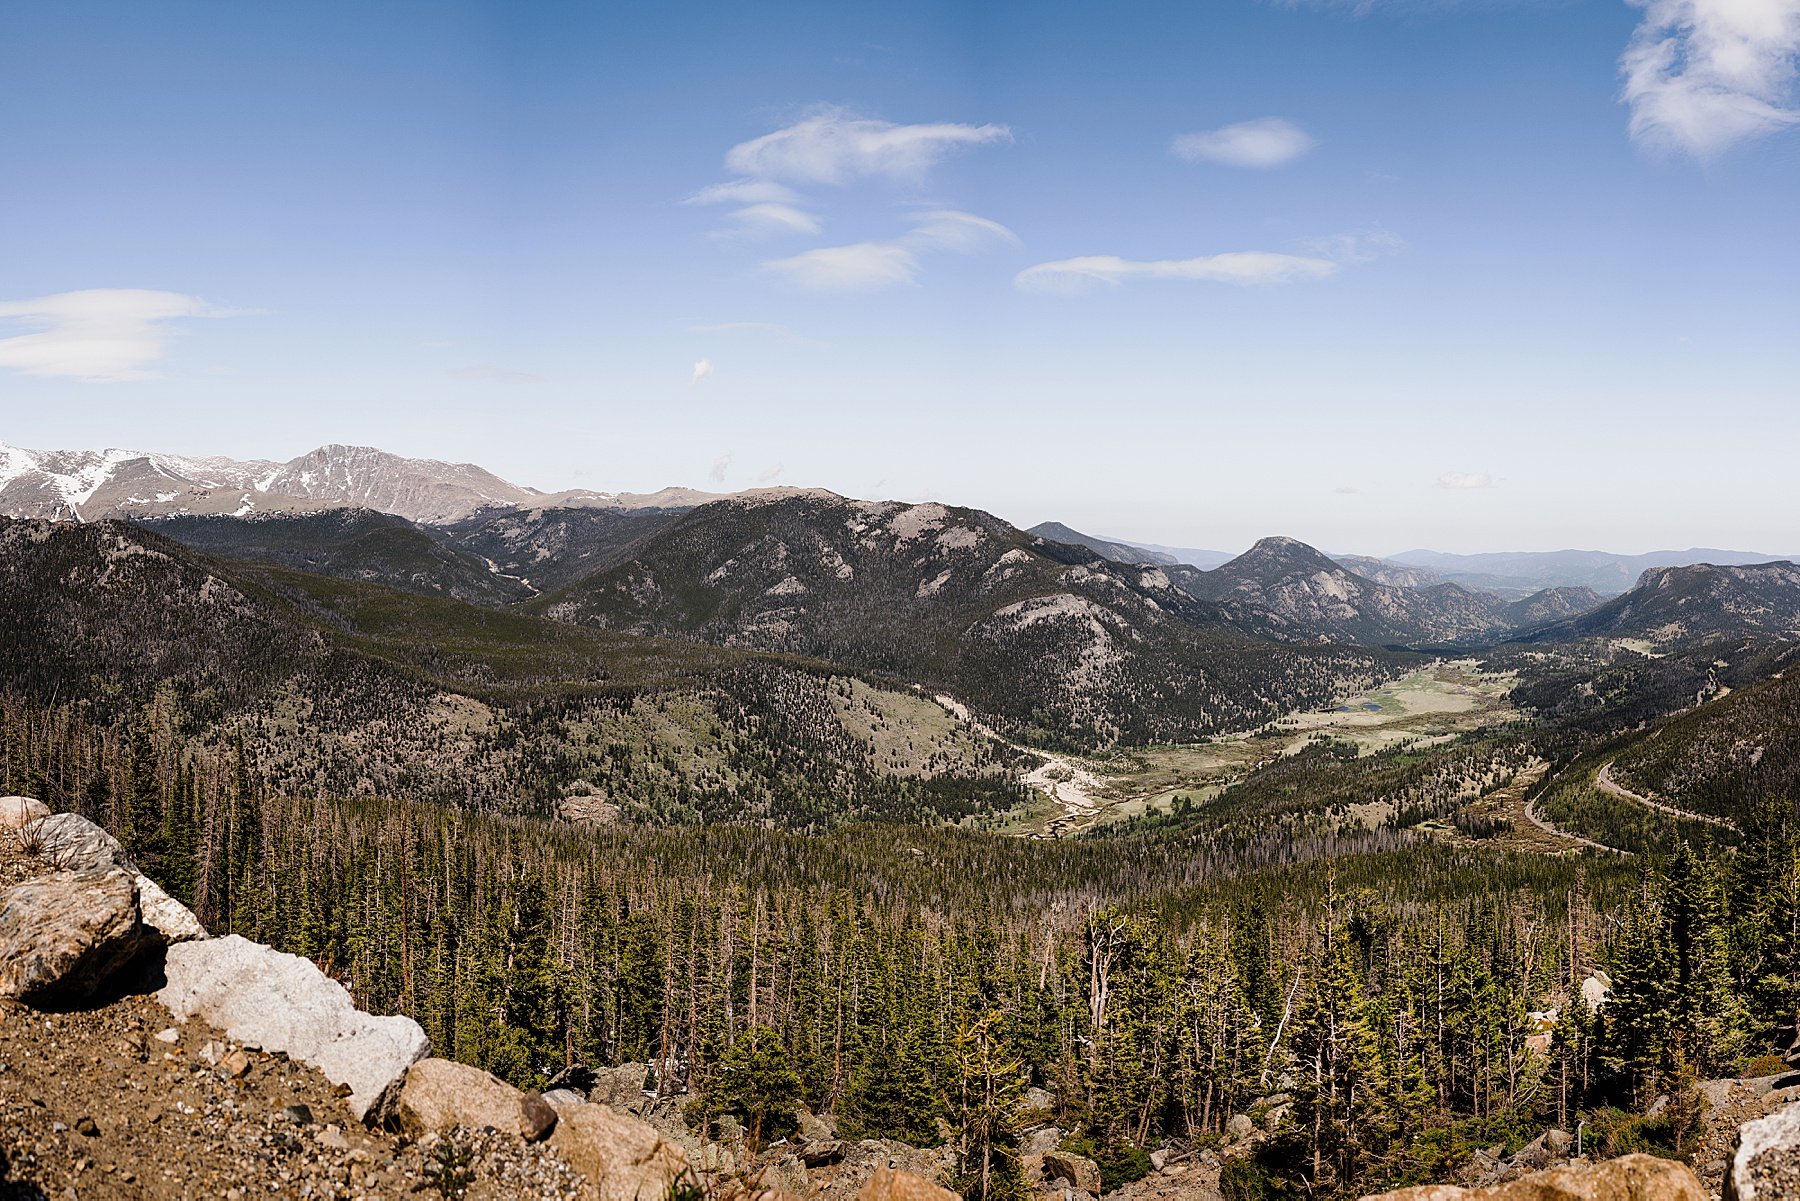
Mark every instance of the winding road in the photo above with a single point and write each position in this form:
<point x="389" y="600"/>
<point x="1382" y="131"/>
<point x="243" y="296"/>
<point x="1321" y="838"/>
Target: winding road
<point x="1604" y="782"/>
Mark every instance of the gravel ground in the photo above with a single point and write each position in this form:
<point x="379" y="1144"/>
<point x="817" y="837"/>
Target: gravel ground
<point x="97" y="1104"/>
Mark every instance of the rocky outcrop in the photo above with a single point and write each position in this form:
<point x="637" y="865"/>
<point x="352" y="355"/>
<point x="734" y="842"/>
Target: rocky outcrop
<point x="439" y="1094"/>
<point x="72" y="842"/>
<point x="890" y="1184"/>
<point x="623" y="1159"/>
<point x="63" y="936"/>
<point x="16" y="811"/>
<point x="1766" y="1162"/>
<point x="277" y="1002"/>
<point x="1628" y="1178"/>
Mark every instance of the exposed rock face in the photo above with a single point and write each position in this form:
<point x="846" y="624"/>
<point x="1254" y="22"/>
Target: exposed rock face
<point x="63" y="935"/>
<point x="1078" y="1170"/>
<point x="1628" y="1178"/>
<point x="887" y="1184"/>
<point x="1766" y="1164"/>
<point x="439" y="1094"/>
<point x="15" y="811"/>
<point x="623" y="1159"/>
<point x="72" y="842"/>
<point x="278" y="1002"/>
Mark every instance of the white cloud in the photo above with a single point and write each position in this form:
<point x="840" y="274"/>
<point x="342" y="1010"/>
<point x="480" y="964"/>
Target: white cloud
<point x="1703" y="75"/>
<point x="834" y="147"/>
<point x="101" y="334"/>
<point x="488" y="373"/>
<point x="775" y="218"/>
<point x="1260" y="144"/>
<point x="965" y="233"/>
<point x="1237" y="267"/>
<point x="702" y="369"/>
<point x="771" y="475"/>
<point x="745" y="191"/>
<point x="859" y="267"/>
<point x="1354" y="249"/>
<point x="719" y="467"/>
<point x="1465" y="479"/>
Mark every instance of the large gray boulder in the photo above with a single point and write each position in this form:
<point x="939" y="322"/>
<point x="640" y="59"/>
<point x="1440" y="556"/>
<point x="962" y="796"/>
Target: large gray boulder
<point x="63" y="936"/>
<point x="266" y="998"/>
<point x="72" y="842"/>
<point x="1766" y="1163"/>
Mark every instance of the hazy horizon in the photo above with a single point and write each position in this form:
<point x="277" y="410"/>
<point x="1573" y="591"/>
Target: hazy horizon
<point x="1473" y="275"/>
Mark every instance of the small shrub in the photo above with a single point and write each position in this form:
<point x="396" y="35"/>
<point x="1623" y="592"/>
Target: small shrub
<point x="1243" y="1180"/>
<point x="1764" y="1065"/>
<point x="451" y="1171"/>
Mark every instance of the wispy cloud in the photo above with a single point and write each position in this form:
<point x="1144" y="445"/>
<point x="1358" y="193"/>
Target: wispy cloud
<point x="702" y="370"/>
<point x="720" y="466"/>
<point x="1354" y="249"/>
<point x="965" y="233"/>
<point x="771" y="475"/>
<point x="1244" y="267"/>
<point x="859" y="267"/>
<point x="100" y="334"/>
<point x="1260" y="144"/>
<point x="1465" y="479"/>
<point x="834" y="146"/>
<point x="764" y="207"/>
<point x="1702" y="76"/>
<point x="488" y="373"/>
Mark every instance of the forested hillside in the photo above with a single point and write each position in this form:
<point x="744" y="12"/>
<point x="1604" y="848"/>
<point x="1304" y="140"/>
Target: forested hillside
<point x="1052" y="641"/>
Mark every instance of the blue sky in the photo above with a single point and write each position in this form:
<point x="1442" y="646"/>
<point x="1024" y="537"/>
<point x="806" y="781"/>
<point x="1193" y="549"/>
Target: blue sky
<point x="1473" y="275"/>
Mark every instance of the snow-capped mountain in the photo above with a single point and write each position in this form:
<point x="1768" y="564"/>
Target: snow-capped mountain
<point x="87" y="485"/>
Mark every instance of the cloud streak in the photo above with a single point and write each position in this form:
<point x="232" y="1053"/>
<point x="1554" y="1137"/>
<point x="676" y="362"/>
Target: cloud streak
<point x="835" y="147"/>
<point x="99" y="335"/>
<point x="1244" y="268"/>
<point x="1465" y="480"/>
<point x="1702" y="76"/>
<point x="858" y="267"/>
<point x="702" y="370"/>
<point x="1259" y="145"/>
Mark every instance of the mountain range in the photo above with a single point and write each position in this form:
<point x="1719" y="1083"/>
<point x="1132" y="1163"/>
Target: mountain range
<point x="88" y="485"/>
<point x="800" y="571"/>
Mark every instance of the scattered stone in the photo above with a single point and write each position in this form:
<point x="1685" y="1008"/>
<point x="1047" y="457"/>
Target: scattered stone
<point x="537" y="1118"/>
<point x="577" y="1078"/>
<point x="814" y="1128"/>
<point x="168" y="1035"/>
<point x="615" y="1086"/>
<point x="235" y="1064"/>
<point x="1080" y="1171"/>
<point x="1159" y="1159"/>
<point x="333" y="1137"/>
<point x="264" y="998"/>
<point x="817" y="1153"/>
<point x="1042" y="1140"/>
<point x="1628" y="1178"/>
<point x="86" y="1127"/>
<point x="623" y="1159"/>
<point x="299" y="1115"/>
<point x="17" y="811"/>
<point x="889" y="1184"/>
<point x="63" y="936"/>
